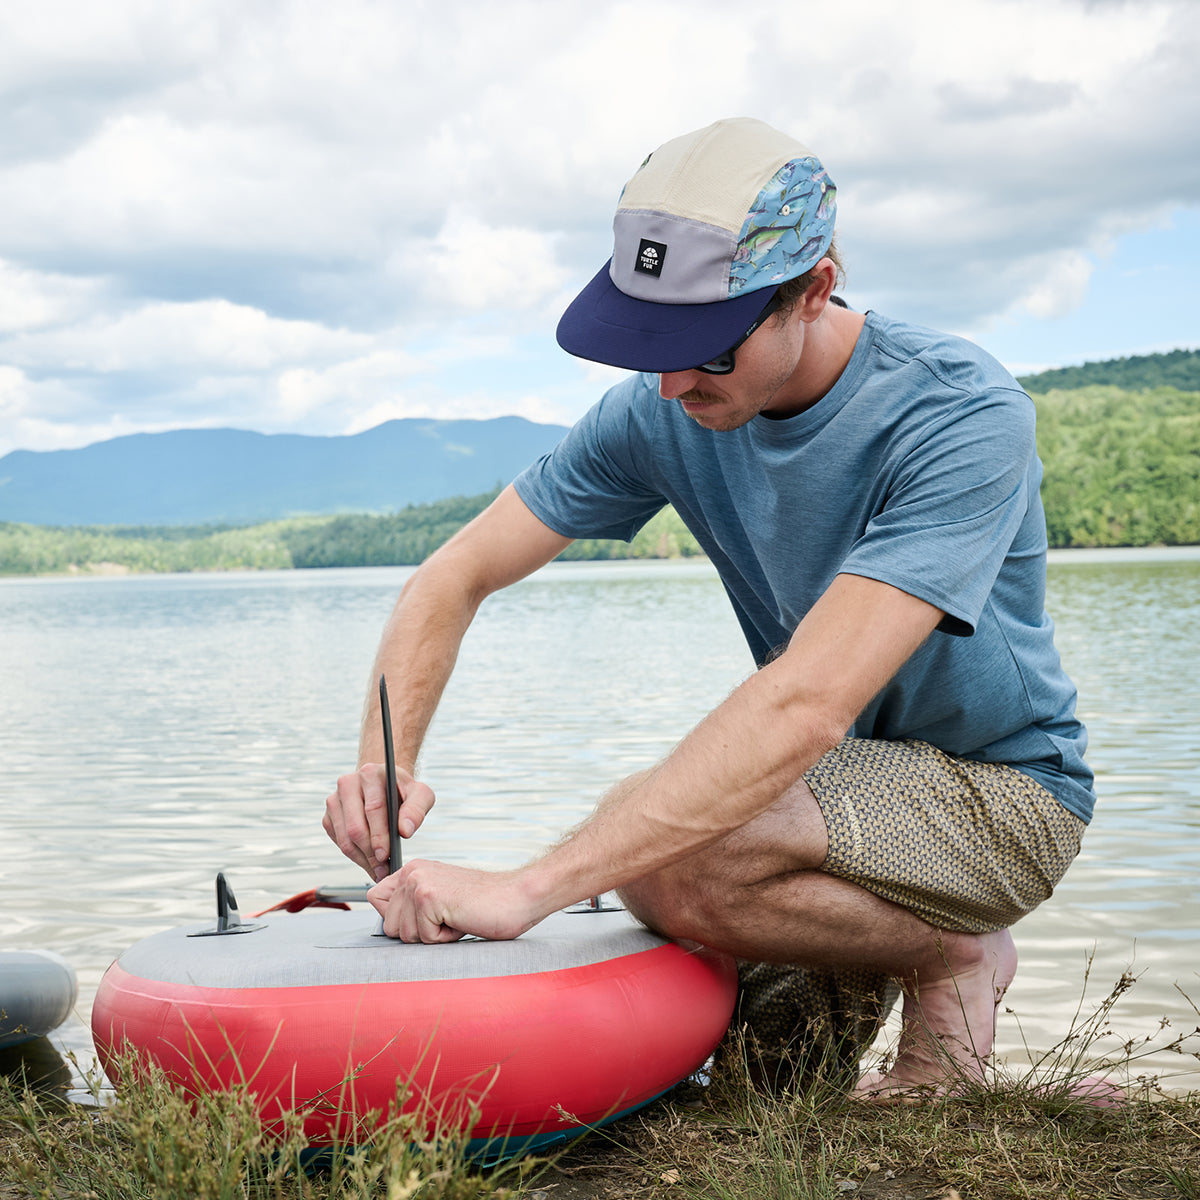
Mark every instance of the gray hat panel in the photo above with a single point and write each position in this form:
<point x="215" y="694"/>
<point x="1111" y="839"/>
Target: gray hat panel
<point x="670" y="260"/>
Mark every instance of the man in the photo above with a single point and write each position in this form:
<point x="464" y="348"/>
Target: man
<point x="903" y="777"/>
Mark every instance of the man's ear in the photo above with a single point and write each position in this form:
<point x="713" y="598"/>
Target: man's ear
<point x="816" y="296"/>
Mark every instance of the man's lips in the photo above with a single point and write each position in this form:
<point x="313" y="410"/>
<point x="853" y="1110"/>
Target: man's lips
<point x="696" y="399"/>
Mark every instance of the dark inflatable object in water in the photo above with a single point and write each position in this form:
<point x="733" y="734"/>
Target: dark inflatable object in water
<point x="37" y="992"/>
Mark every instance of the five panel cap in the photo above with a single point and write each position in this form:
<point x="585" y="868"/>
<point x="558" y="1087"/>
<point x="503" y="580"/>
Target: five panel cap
<point x="706" y="230"/>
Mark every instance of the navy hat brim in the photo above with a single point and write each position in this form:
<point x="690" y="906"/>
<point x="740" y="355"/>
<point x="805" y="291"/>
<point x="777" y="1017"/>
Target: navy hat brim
<point x="604" y="325"/>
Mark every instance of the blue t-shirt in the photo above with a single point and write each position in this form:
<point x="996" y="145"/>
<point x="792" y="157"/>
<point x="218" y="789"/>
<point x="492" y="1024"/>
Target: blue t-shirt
<point x="918" y="468"/>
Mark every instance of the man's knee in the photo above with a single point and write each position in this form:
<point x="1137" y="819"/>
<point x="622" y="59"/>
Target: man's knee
<point x="675" y="903"/>
<point x="644" y="899"/>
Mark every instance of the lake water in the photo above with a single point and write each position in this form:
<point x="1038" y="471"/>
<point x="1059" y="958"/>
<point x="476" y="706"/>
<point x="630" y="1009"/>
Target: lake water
<point x="156" y="729"/>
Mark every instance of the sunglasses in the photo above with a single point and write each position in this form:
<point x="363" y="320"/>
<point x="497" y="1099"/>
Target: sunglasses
<point x="723" y="364"/>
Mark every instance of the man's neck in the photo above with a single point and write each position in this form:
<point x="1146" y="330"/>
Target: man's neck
<point x="829" y="343"/>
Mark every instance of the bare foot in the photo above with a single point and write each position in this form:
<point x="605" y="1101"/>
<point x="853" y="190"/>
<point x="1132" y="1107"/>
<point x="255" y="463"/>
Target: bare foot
<point x="949" y="1024"/>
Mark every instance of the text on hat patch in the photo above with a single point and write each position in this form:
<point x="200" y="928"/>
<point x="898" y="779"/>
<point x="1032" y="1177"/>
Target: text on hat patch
<point x="650" y="257"/>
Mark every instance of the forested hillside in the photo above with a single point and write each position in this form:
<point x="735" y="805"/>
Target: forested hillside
<point x="409" y="537"/>
<point x="399" y="539"/>
<point x="1122" y="469"/>
<point x="1179" y="369"/>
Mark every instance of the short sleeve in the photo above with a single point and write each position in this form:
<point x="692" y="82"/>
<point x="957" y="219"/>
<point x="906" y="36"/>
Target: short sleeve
<point x="961" y="500"/>
<point x="597" y="482"/>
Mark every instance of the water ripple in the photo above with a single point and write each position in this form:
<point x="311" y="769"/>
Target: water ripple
<point x="159" y="729"/>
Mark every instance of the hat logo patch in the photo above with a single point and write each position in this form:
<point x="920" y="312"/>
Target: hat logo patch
<point x="650" y="257"/>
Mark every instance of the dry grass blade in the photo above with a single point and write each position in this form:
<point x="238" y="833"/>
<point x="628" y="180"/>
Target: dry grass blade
<point x="1026" y="1134"/>
<point x="159" y="1141"/>
<point x="726" y="1141"/>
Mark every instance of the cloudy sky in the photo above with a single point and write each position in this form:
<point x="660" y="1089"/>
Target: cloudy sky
<point x="297" y="216"/>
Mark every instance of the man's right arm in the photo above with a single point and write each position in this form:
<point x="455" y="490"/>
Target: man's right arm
<point x="417" y="653"/>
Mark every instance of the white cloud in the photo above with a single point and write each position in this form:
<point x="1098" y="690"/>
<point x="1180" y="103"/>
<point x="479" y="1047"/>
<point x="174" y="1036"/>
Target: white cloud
<point x="473" y="266"/>
<point x="355" y="384"/>
<point x="34" y="299"/>
<point x="14" y="392"/>
<point x="288" y="215"/>
<point x="46" y="415"/>
<point x="214" y="335"/>
<point x="599" y="375"/>
<point x="475" y="405"/>
<point x="1061" y="287"/>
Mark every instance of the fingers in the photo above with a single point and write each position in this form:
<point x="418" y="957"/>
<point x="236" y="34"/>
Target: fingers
<point x="416" y="799"/>
<point x="408" y="910"/>
<point x="345" y="824"/>
<point x="372" y="789"/>
<point x="439" y="902"/>
<point x="356" y="816"/>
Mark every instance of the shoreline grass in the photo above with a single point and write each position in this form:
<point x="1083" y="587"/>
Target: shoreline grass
<point x="1024" y="1134"/>
<point x="725" y="1142"/>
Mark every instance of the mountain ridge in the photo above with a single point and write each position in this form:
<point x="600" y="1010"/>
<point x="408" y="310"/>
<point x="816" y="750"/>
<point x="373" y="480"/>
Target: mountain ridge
<point x="240" y="477"/>
<point x="237" y="477"/>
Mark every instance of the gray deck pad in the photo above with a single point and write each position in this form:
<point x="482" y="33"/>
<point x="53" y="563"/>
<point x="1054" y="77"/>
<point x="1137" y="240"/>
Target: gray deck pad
<point x="322" y="947"/>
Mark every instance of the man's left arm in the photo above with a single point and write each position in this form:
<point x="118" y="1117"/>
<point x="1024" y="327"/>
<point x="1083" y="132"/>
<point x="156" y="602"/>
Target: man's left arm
<point x="734" y="765"/>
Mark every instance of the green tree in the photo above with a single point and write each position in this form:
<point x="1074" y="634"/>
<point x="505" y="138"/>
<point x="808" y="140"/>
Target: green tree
<point x="1122" y="468"/>
<point x="1178" y="368"/>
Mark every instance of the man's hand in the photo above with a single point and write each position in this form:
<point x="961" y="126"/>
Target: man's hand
<point x="435" y="902"/>
<point x="356" y="815"/>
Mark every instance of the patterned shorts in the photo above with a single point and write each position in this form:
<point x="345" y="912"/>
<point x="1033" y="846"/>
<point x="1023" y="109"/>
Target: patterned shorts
<point x="967" y="846"/>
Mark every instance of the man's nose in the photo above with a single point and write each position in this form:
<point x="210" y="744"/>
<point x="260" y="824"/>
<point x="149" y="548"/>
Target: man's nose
<point x="674" y="383"/>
